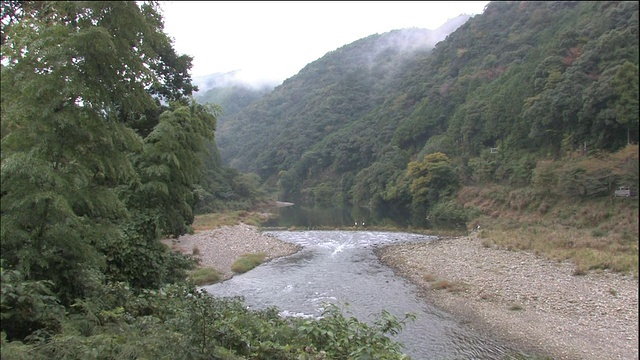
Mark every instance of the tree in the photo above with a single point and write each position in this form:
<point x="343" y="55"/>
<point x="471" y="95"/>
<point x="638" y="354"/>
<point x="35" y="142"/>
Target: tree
<point x="76" y="79"/>
<point x="170" y="167"/>
<point x="433" y="178"/>
<point x="625" y="104"/>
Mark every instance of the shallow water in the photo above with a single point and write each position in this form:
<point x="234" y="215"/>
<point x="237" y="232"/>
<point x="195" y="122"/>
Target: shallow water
<point x="340" y="267"/>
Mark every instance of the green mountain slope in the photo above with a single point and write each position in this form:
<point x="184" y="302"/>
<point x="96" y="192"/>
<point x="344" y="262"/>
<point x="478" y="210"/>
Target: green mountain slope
<point x="524" y="81"/>
<point x="232" y="98"/>
<point x="326" y="95"/>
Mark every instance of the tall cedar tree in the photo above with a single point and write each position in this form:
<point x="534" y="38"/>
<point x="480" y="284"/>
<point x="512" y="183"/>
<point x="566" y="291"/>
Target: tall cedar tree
<point x="85" y="134"/>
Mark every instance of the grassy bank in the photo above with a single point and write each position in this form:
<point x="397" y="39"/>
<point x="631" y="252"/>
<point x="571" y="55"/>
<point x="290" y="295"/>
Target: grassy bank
<point x="595" y="234"/>
<point x="228" y="218"/>
<point x="247" y="262"/>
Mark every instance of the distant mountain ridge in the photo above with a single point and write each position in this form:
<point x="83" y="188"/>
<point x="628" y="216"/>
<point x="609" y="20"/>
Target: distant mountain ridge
<point x="523" y="81"/>
<point x="217" y="80"/>
<point x="408" y="38"/>
<point x="363" y="69"/>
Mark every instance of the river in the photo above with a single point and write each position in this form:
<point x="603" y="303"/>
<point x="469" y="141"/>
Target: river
<point x="340" y="267"/>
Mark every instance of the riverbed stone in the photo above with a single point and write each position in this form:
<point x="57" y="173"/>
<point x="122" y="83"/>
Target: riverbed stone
<point x="535" y="303"/>
<point x="220" y="247"/>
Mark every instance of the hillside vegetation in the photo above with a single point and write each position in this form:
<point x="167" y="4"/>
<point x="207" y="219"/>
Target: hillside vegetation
<point x="105" y="152"/>
<point x="525" y="117"/>
<point x="382" y="125"/>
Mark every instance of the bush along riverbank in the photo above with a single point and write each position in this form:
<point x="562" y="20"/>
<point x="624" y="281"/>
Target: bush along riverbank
<point x="552" y="273"/>
<point x="181" y="322"/>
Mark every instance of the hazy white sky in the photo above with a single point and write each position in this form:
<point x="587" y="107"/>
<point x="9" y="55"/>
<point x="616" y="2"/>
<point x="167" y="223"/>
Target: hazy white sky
<point x="272" y="41"/>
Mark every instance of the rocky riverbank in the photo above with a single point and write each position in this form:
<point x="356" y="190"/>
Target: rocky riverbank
<point x="534" y="303"/>
<point x="219" y="248"/>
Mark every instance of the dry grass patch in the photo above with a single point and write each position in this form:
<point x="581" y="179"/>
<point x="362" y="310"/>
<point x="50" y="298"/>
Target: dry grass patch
<point x="594" y="231"/>
<point x="429" y="277"/>
<point x="228" y="218"/>
<point x="587" y="248"/>
<point x="213" y="221"/>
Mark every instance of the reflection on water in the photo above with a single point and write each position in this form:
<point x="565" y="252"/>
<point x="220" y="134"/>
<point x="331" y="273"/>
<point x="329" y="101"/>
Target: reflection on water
<point x="340" y="217"/>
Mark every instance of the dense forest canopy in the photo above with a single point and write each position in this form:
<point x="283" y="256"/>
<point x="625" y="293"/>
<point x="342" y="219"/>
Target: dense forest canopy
<point x="92" y="163"/>
<point x="521" y="83"/>
<point x="105" y="152"/>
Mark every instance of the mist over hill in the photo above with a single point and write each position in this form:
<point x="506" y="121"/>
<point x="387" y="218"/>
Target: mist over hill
<point x="232" y="92"/>
<point x="361" y="70"/>
<point x="522" y="82"/>
<point x="223" y="80"/>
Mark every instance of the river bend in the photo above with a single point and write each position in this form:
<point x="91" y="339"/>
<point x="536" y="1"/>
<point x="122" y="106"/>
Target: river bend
<point x="340" y="267"/>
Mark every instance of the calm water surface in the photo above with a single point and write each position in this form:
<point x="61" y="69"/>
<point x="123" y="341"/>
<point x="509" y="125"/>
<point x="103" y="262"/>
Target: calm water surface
<point x="340" y="267"/>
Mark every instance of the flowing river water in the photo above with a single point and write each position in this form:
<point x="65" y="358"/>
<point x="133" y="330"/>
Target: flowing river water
<point x="340" y="267"/>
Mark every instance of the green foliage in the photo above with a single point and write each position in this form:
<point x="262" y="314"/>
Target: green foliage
<point x="103" y="152"/>
<point x="225" y="188"/>
<point x="94" y="169"/>
<point x="204" y="276"/>
<point x="247" y="262"/>
<point x="65" y="87"/>
<point x="372" y="182"/>
<point x="588" y="176"/>
<point x="323" y="195"/>
<point x="181" y="323"/>
<point x="433" y="178"/>
<point x="29" y="309"/>
<point x="170" y="167"/>
<point x="545" y="176"/>
<point x="450" y="213"/>
<point x="535" y="81"/>
<point x="340" y="337"/>
<point x="230" y="98"/>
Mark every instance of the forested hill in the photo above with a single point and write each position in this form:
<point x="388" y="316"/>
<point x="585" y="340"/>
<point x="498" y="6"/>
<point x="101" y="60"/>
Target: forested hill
<point x="530" y="80"/>
<point x="231" y="98"/>
<point x="323" y="97"/>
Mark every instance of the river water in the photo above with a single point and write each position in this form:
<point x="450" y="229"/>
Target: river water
<point x="340" y="267"/>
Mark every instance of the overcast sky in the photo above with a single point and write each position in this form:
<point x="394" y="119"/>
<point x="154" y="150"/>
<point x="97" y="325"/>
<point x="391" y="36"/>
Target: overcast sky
<point x="272" y="41"/>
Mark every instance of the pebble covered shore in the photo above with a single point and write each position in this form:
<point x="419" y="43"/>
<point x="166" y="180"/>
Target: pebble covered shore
<point x="534" y="303"/>
<point x="219" y="248"/>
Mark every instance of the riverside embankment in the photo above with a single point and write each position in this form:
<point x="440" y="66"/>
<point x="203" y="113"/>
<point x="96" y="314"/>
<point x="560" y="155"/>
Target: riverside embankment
<point x="533" y="302"/>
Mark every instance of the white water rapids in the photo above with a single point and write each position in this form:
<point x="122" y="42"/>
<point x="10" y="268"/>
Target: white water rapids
<point x="340" y="267"/>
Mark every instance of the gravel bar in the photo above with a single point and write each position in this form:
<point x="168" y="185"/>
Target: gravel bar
<point x="219" y="248"/>
<point x="532" y="302"/>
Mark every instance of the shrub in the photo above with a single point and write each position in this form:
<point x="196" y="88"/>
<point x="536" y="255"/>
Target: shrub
<point x="340" y="337"/>
<point x="450" y="212"/>
<point x="516" y="307"/>
<point x="28" y="307"/>
<point x="205" y="276"/>
<point x="247" y="262"/>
